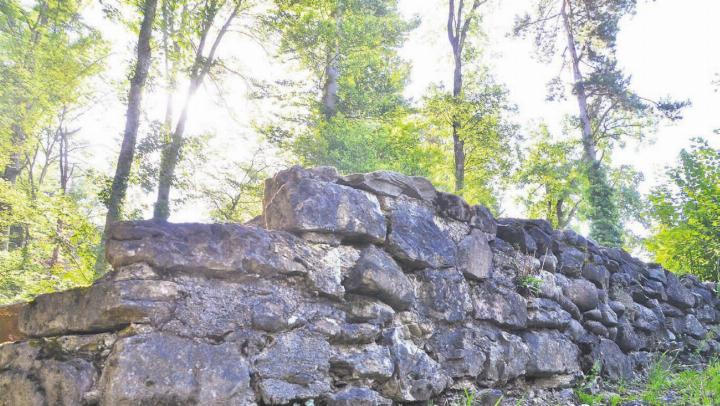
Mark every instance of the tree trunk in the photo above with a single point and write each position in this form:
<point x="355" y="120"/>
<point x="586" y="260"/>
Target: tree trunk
<point x="332" y="74"/>
<point x="132" y="122"/>
<point x="458" y="143"/>
<point x="171" y="153"/>
<point x="605" y="222"/>
<point x="589" y="148"/>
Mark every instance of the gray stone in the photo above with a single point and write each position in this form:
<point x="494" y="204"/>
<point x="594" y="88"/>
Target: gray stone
<point x="645" y="319"/>
<point x="545" y="313"/>
<point x="614" y="364"/>
<point x="294" y="367"/>
<point x="504" y="307"/>
<point x="678" y="295"/>
<point x="506" y="356"/>
<point x="158" y="368"/>
<point x="19" y="389"/>
<point x="597" y="274"/>
<point x="582" y="293"/>
<point x="370" y="361"/>
<point x="571" y="260"/>
<point x="474" y="258"/>
<point x="363" y="309"/>
<point x="104" y="306"/>
<point x="551" y="353"/>
<point x="549" y="262"/>
<point x="355" y="333"/>
<point x="415" y="239"/>
<point x="213" y="249"/>
<point x="453" y="206"/>
<point x="617" y="307"/>
<point x="693" y="327"/>
<point x="377" y="274"/>
<point x="657" y="273"/>
<point x="310" y="205"/>
<point x="628" y="339"/>
<point x="295" y="174"/>
<point x="391" y="184"/>
<point x="357" y="397"/>
<point x="482" y="219"/>
<point x="513" y="232"/>
<point x="609" y="317"/>
<point x="596" y="328"/>
<point x="444" y="294"/>
<point x="460" y="351"/>
<point x="417" y="376"/>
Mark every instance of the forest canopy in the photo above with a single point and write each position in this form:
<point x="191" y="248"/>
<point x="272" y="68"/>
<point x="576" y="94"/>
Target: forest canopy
<point x="177" y="110"/>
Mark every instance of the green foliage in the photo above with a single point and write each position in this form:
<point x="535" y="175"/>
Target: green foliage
<point x="552" y="180"/>
<point x="609" y="111"/>
<point x="40" y="256"/>
<point x="605" y="227"/>
<point x="685" y="214"/>
<point x="47" y="54"/>
<point x="392" y="143"/>
<point x="236" y="192"/>
<point x="530" y="284"/>
<point x="487" y="134"/>
<point x="370" y="128"/>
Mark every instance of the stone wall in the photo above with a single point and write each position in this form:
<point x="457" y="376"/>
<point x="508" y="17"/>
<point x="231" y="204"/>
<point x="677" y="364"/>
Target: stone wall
<point x="366" y="289"/>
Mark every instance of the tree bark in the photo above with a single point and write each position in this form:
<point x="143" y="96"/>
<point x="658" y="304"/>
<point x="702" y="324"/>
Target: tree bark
<point x="588" y="141"/>
<point x="332" y="73"/>
<point x="605" y="227"/>
<point x="171" y="153"/>
<point x="457" y="30"/>
<point x="132" y="122"/>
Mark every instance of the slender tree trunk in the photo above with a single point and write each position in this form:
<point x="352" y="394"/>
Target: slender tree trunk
<point x="588" y="141"/>
<point x="171" y="153"/>
<point x="132" y="122"/>
<point x="605" y="222"/>
<point x="332" y="74"/>
<point x="458" y="143"/>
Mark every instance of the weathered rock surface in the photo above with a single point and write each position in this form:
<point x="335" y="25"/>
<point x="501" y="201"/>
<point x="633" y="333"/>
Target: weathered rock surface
<point x="366" y="289"/>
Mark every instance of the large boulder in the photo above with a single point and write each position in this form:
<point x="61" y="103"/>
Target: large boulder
<point x="310" y="205"/>
<point x="474" y="258"/>
<point x="417" y="376"/>
<point x="545" y="313"/>
<point x="551" y="353"/>
<point x="351" y="396"/>
<point x="570" y="260"/>
<point x="500" y="305"/>
<point x="678" y="294"/>
<point x="376" y="274"/>
<point x="362" y="362"/>
<point x="393" y="184"/>
<point x="460" y="351"/>
<point x="613" y="362"/>
<point x="104" y="306"/>
<point x="158" y="368"/>
<point x="444" y="294"/>
<point x="295" y="366"/>
<point x="216" y="249"/>
<point x="582" y="293"/>
<point x="415" y="239"/>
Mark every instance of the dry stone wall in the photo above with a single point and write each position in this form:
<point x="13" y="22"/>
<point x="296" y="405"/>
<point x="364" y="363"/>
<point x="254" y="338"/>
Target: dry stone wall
<point x="367" y="289"/>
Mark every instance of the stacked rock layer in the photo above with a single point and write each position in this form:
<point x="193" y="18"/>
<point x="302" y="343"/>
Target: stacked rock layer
<point x="367" y="289"/>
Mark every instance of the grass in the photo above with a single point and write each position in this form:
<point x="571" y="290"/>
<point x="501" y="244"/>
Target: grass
<point x="666" y="384"/>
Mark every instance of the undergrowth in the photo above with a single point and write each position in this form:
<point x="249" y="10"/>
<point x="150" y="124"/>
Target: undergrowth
<point x="667" y="383"/>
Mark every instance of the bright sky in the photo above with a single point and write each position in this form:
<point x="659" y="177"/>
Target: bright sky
<point x="669" y="47"/>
